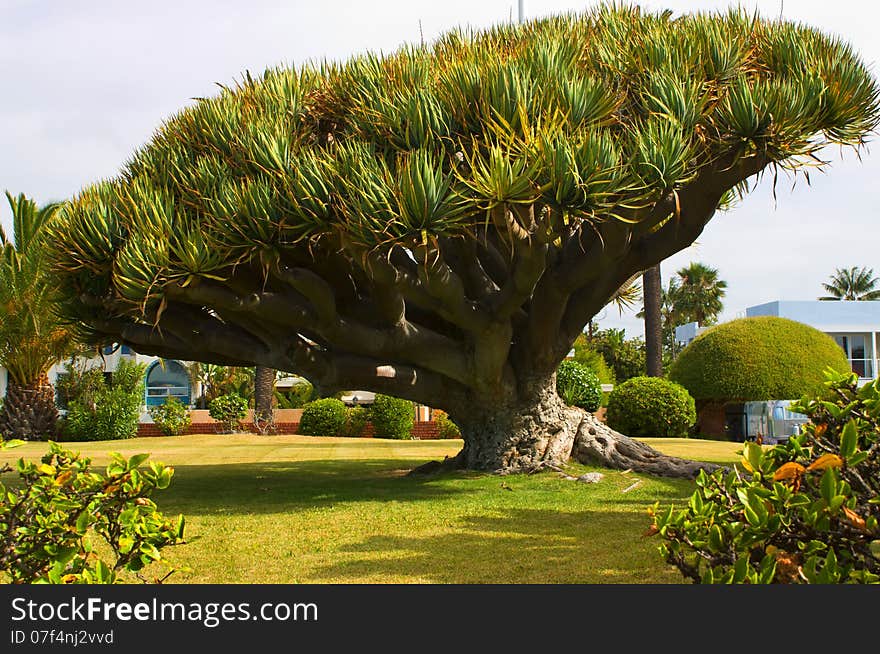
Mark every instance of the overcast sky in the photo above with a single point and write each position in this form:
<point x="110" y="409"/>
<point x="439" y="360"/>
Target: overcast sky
<point x="86" y="82"/>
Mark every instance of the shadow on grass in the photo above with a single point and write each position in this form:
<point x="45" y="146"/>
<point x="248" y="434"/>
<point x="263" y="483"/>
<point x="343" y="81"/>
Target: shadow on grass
<point x="521" y="546"/>
<point x="248" y="488"/>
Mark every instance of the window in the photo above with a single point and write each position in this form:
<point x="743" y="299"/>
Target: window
<point x="167" y="379"/>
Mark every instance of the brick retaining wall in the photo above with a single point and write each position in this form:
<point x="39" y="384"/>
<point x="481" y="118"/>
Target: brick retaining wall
<point x="428" y="430"/>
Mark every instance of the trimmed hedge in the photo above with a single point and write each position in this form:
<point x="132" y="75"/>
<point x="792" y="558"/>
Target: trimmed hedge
<point x="578" y="385"/>
<point x="324" y="417"/>
<point x="392" y="417"/>
<point x="651" y="406"/>
<point x="761" y="358"/>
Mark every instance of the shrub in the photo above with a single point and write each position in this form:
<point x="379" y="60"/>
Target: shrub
<point x="650" y="406"/>
<point x="763" y="358"/>
<point x="79" y="384"/>
<point x="586" y="354"/>
<point x="228" y="410"/>
<point x="49" y="520"/>
<point x="117" y="413"/>
<point x="392" y="417"/>
<point x="447" y="428"/>
<point x="172" y="417"/>
<point x="626" y="357"/>
<point x="105" y="411"/>
<point x="324" y="417"/>
<point x="356" y="419"/>
<point x="805" y="511"/>
<point x="578" y="385"/>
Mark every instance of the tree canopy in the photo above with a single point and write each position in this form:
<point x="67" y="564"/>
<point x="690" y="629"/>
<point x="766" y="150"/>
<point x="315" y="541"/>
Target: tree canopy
<point x="440" y="223"/>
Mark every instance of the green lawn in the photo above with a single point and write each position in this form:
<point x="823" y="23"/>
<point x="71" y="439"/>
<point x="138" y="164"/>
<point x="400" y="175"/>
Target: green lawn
<point x="286" y="509"/>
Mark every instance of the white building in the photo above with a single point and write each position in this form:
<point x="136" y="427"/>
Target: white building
<point x="855" y="325"/>
<point x="163" y="378"/>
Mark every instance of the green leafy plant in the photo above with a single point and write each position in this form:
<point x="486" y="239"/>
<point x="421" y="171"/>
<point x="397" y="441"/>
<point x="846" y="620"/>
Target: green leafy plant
<point x="324" y="417"/>
<point x="105" y="411"/>
<point x="296" y="397"/>
<point x="65" y="523"/>
<point x="228" y="411"/>
<point x="356" y="419"/>
<point x="447" y="428"/>
<point x="79" y="382"/>
<point x="651" y="406"/>
<point x="172" y="417"/>
<point x="806" y="511"/>
<point x="392" y="417"/>
<point x="584" y="353"/>
<point x="578" y="385"/>
<point x="625" y="356"/>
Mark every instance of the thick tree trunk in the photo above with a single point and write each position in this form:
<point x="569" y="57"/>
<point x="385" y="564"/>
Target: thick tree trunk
<point x="541" y="431"/>
<point x="29" y="412"/>
<point x="518" y="436"/>
<point x="652" y="287"/>
<point x="264" y="397"/>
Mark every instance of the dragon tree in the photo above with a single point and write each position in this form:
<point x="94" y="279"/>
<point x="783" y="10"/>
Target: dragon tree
<point x="441" y="223"/>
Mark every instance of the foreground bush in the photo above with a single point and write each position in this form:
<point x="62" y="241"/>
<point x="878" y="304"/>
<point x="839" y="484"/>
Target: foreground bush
<point x="806" y="511"/>
<point x="228" y="410"/>
<point x="578" y="386"/>
<point x="650" y="406"/>
<point x="172" y="417"/>
<point x="324" y="417"/>
<point x="392" y="417"/>
<point x="65" y="523"/>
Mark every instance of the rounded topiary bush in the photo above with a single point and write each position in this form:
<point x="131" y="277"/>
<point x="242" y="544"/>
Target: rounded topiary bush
<point x="324" y="417"/>
<point x="578" y="385"/>
<point x="392" y="417"/>
<point x="761" y="358"/>
<point x="651" y="406"/>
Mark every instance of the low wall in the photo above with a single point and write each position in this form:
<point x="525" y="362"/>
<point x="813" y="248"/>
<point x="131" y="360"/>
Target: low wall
<point x="711" y="419"/>
<point x="200" y="416"/>
<point x="422" y="430"/>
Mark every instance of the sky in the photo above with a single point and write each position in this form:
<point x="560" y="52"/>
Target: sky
<point x="85" y="83"/>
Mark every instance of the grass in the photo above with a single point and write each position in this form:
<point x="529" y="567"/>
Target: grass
<point x="296" y="509"/>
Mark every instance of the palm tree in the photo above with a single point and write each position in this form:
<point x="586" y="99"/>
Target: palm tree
<point x="264" y="396"/>
<point x="32" y="338"/>
<point x="669" y="318"/>
<point x="699" y="293"/>
<point x="852" y="284"/>
<point x="653" y="287"/>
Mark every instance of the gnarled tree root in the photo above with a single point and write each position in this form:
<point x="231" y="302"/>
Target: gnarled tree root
<point x="596" y="443"/>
